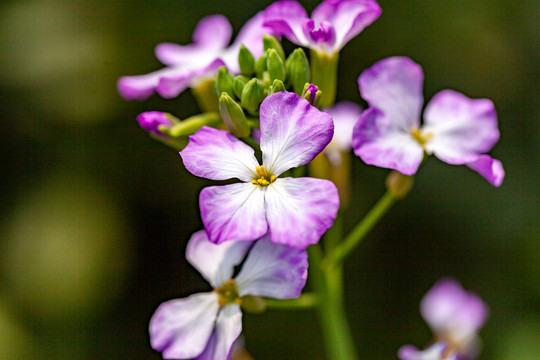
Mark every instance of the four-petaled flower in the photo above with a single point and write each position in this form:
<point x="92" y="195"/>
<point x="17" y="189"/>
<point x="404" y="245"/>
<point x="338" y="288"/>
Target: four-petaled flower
<point x="333" y="23"/>
<point x="295" y="211"/>
<point x="456" y="129"/>
<point x="206" y="325"/>
<point x="455" y="316"/>
<point x="186" y="65"/>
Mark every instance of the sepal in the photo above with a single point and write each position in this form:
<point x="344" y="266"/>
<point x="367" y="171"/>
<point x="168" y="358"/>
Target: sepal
<point x="233" y="116"/>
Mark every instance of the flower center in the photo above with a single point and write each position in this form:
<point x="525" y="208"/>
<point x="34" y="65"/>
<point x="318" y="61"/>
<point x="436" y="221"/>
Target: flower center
<point x="322" y="33"/>
<point x="421" y="138"/>
<point x="263" y="178"/>
<point x="228" y="294"/>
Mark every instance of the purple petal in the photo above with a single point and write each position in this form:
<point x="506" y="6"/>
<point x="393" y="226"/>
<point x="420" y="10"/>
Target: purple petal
<point x="213" y="31"/>
<point x="300" y="210"/>
<point x="151" y="120"/>
<point x="292" y="132"/>
<point x="141" y="87"/>
<point x="287" y="18"/>
<point x="394" y="86"/>
<point x="218" y="155"/>
<point x="273" y="270"/>
<point x="378" y="142"/>
<point x="171" y="85"/>
<point x="233" y="212"/>
<point x="345" y="115"/>
<point x="448" y="309"/>
<point x="433" y="352"/>
<point x="228" y="328"/>
<point x="181" y="328"/>
<point x="491" y="169"/>
<point x="348" y="17"/>
<point x="462" y="128"/>
<point x="215" y="262"/>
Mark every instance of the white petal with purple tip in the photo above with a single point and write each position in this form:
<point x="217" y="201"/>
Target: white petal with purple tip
<point x="491" y="169"/>
<point x="273" y="270"/>
<point x="293" y="132"/>
<point x="181" y="328"/>
<point x="300" y="210"/>
<point x="218" y="155"/>
<point x="215" y="262"/>
<point x="233" y="212"/>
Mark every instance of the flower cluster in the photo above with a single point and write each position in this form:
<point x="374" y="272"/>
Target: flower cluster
<point x="261" y="125"/>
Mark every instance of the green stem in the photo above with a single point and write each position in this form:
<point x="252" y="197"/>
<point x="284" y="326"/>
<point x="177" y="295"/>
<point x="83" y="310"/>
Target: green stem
<point x="305" y="301"/>
<point x="324" y="72"/>
<point x="360" y="231"/>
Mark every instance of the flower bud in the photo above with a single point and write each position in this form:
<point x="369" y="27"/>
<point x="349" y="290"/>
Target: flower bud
<point x="251" y="96"/>
<point x="224" y="82"/>
<point x="246" y="61"/>
<point x="398" y="184"/>
<point x="270" y="42"/>
<point x="297" y="68"/>
<point x="260" y="64"/>
<point x="238" y="85"/>
<point x="253" y="304"/>
<point x="233" y="116"/>
<point x="312" y="94"/>
<point x="276" y="86"/>
<point x="276" y="68"/>
<point x="151" y="120"/>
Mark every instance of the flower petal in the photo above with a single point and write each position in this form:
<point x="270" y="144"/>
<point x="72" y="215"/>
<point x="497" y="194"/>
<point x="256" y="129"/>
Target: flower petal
<point x="348" y="17"/>
<point x="287" y="18"/>
<point x="394" y="86"/>
<point x="377" y="142"/>
<point x="215" y="262"/>
<point x="171" y="85"/>
<point x="491" y="169"/>
<point x="181" y="328"/>
<point x="292" y="131"/>
<point x="141" y="87"/>
<point x="300" y="210"/>
<point x="345" y="115"/>
<point x="462" y="128"/>
<point x="433" y="352"/>
<point x="273" y="270"/>
<point x="233" y="212"/>
<point x="228" y="328"/>
<point x="213" y="31"/>
<point x="218" y="155"/>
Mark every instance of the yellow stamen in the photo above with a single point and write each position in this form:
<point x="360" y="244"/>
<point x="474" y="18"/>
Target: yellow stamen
<point x="228" y="293"/>
<point x="263" y="179"/>
<point x="421" y="138"/>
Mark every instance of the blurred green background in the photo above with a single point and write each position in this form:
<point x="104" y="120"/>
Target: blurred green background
<point x="95" y="216"/>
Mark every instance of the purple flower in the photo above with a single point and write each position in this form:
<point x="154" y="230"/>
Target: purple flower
<point x="458" y="130"/>
<point x="345" y="115"/>
<point x="151" y="120"/>
<point x="333" y="23"/>
<point x="295" y="211"/>
<point x="206" y="325"/>
<point x="455" y="317"/>
<point x="188" y="64"/>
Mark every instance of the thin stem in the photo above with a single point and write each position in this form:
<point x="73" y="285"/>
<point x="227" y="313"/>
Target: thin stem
<point x="361" y="230"/>
<point x="305" y="301"/>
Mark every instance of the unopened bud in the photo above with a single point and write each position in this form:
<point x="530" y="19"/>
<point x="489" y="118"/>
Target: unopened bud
<point x="251" y="96"/>
<point x="238" y="85"/>
<point x="151" y="120"/>
<point x="275" y="66"/>
<point x="312" y="94"/>
<point x="270" y="42"/>
<point x="398" y="184"/>
<point x="246" y="61"/>
<point x="297" y="68"/>
<point x="260" y="64"/>
<point x="276" y="86"/>
<point x="224" y="82"/>
<point x="233" y="116"/>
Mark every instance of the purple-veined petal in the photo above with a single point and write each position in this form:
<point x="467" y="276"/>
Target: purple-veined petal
<point x="450" y="310"/>
<point x="300" y="210"/>
<point x="287" y="18"/>
<point x="461" y="128"/>
<point x="228" y="328"/>
<point x="377" y="142"/>
<point x="215" y="262"/>
<point x="433" y="352"/>
<point x="181" y="328"/>
<point x="348" y="17"/>
<point x="292" y="132"/>
<point x="273" y="270"/>
<point x="218" y="155"/>
<point x="171" y="85"/>
<point x="491" y="169"/>
<point x="394" y="86"/>
<point x="233" y="212"/>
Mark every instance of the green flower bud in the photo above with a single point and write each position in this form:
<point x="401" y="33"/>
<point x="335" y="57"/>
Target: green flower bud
<point x="238" y="85"/>
<point x="233" y="116"/>
<point x="224" y="82"/>
<point x="251" y="96"/>
<point x="298" y="72"/>
<point x="246" y="61"/>
<point x="270" y="42"/>
<point x="276" y="68"/>
<point x="260" y="64"/>
<point x="276" y="86"/>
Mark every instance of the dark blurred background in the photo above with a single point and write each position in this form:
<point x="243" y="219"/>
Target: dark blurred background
<point x="95" y="216"/>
